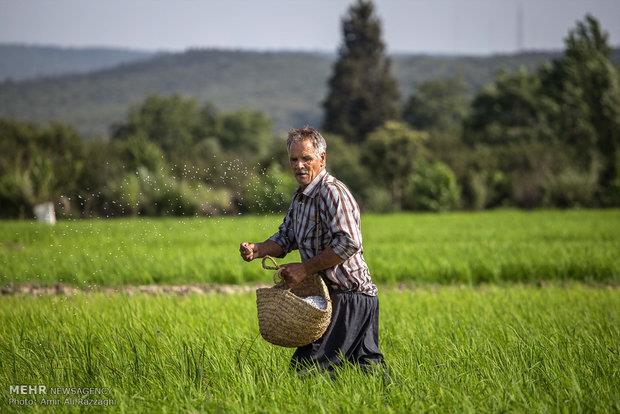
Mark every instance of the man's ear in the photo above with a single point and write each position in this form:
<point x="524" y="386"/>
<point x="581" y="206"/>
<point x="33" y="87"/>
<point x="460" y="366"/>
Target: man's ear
<point x="324" y="158"/>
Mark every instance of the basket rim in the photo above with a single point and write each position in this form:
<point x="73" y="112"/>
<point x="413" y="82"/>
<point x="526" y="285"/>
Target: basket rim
<point x="299" y="299"/>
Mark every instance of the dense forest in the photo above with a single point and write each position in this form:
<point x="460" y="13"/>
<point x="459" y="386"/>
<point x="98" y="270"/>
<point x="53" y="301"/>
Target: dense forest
<point x="544" y="135"/>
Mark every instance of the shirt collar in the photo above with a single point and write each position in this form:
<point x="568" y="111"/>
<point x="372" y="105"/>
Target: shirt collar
<point x="310" y="189"/>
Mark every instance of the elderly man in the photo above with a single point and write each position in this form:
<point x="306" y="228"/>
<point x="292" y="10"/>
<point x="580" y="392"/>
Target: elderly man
<point x="323" y="222"/>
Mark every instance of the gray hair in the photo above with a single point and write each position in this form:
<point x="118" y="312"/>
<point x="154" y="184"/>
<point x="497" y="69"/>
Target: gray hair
<point x="310" y="134"/>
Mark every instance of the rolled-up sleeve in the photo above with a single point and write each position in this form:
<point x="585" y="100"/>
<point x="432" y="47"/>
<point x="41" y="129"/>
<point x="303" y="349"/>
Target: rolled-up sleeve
<point x="342" y="216"/>
<point x="285" y="237"/>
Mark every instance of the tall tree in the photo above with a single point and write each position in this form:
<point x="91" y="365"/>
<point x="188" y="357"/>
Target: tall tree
<point x="392" y="152"/>
<point x="362" y="93"/>
<point x="437" y="105"/>
<point x="172" y="122"/>
<point x="512" y="110"/>
<point x="585" y="85"/>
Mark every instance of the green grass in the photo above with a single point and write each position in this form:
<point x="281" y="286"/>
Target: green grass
<point x="444" y="248"/>
<point x="451" y="349"/>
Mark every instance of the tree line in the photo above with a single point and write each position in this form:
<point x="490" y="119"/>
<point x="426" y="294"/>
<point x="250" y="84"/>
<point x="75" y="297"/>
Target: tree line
<point x="542" y="138"/>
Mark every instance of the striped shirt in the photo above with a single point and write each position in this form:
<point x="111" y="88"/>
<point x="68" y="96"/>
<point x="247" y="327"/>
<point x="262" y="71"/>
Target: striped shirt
<point x="338" y="227"/>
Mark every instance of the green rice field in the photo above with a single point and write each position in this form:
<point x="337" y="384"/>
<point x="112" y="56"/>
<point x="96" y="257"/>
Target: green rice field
<point x="502" y="311"/>
<point x="465" y="248"/>
<point x="450" y="349"/>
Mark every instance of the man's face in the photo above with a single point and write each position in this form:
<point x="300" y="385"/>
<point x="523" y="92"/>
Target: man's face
<point x="305" y="164"/>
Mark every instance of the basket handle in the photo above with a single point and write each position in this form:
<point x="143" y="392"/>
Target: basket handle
<point x="275" y="266"/>
<point x="277" y="277"/>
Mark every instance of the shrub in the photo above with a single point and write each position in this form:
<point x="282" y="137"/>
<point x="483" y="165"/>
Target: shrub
<point x="377" y="199"/>
<point x="432" y="187"/>
<point x="570" y="188"/>
<point x="16" y="194"/>
<point x="269" y="192"/>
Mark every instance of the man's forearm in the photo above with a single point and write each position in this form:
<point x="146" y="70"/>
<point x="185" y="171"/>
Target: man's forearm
<point x="269" y="248"/>
<point x="325" y="260"/>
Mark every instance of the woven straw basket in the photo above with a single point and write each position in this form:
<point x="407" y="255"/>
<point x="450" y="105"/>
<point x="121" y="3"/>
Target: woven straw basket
<point x="284" y="319"/>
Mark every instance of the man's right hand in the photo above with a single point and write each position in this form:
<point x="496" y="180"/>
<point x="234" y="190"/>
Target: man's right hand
<point x="248" y="251"/>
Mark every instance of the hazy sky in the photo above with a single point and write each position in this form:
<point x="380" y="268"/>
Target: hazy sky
<point x="429" y="26"/>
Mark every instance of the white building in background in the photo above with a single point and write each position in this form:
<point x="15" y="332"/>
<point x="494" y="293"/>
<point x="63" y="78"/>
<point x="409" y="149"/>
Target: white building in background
<point x="45" y="213"/>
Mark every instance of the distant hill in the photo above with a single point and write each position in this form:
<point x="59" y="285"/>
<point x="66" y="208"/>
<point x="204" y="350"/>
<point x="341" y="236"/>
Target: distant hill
<point x="19" y="62"/>
<point x="288" y="86"/>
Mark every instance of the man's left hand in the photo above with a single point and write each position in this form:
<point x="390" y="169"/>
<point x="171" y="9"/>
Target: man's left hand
<point x="293" y="273"/>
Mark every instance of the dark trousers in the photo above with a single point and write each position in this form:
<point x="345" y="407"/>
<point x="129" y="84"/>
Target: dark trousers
<point x="353" y="334"/>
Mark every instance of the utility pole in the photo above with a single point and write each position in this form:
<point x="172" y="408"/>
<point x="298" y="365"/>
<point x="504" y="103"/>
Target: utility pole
<point x="519" y="26"/>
